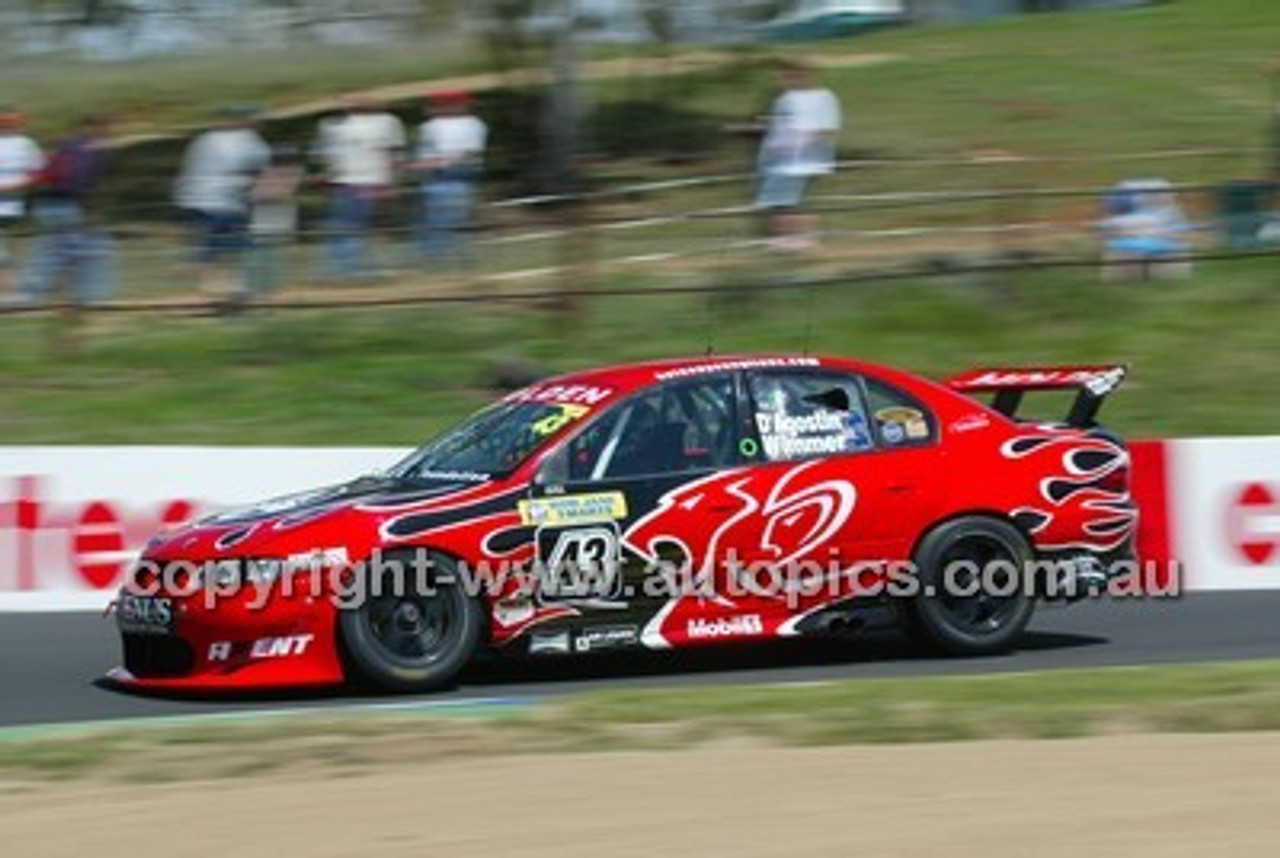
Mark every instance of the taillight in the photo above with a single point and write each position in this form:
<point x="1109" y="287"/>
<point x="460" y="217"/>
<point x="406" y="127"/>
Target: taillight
<point x="1116" y="481"/>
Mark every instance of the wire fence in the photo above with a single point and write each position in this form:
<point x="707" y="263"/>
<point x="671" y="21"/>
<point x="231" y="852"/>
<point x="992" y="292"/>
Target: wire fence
<point x="801" y="283"/>
<point x="658" y="230"/>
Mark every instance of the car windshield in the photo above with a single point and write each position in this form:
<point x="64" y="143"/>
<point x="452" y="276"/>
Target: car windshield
<point x="492" y="443"/>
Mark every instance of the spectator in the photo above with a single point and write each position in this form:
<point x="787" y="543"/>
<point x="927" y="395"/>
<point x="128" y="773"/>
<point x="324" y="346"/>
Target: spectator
<point x="20" y="160"/>
<point x="1144" y="232"/>
<point x="799" y="144"/>
<point x="275" y="217"/>
<point x="71" y="249"/>
<point x="450" y="161"/>
<point x="362" y="150"/>
<point x="219" y="171"/>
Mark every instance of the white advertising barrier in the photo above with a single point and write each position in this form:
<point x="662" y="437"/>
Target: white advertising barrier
<point x="1225" y="512"/>
<point x="73" y="518"/>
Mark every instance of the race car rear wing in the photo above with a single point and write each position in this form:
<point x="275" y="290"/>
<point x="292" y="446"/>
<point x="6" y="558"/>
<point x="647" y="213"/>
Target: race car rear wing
<point x="1009" y="384"/>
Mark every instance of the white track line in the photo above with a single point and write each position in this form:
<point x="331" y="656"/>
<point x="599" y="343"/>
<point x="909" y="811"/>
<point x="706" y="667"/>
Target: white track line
<point x="418" y="707"/>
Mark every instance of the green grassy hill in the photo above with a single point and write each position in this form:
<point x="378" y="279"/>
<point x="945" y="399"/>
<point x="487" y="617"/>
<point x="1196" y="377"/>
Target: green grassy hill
<point x="1183" y="73"/>
<point x="1205" y="351"/>
<point x="1204" y="354"/>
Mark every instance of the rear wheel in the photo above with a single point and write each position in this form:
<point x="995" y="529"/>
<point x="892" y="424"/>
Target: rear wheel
<point x="972" y="599"/>
<point x="409" y="635"/>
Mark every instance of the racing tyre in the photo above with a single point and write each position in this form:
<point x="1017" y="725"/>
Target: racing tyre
<point x="971" y="599"/>
<point x="407" y="635"/>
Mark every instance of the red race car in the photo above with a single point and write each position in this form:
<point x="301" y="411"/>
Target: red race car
<point x="657" y="505"/>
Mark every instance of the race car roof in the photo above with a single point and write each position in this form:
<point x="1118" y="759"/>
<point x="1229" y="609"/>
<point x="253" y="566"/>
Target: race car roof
<point x="601" y="386"/>
<point x="624" y="378"/>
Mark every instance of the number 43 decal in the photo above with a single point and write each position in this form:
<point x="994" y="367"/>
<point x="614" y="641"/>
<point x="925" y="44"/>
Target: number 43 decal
<point x="582" y="564"/>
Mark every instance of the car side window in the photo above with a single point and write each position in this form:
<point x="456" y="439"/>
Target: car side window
<point x="680" y="426"/>
<point x="585" y="450"/>
<point x="805" y="415"/>
<point x="899" y="419"/>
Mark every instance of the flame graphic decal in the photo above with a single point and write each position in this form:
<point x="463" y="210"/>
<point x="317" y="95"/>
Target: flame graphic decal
<point x="1082" y="509"/>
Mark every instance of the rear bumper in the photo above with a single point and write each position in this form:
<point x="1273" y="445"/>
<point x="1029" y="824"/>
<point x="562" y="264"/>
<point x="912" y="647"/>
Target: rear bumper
<point x="1072" y="576"/>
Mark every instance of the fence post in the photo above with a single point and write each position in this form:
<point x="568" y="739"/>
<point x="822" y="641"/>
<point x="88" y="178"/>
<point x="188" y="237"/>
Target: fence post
<point x="1009" y="210"/>
<point x="1274" y="69"/>
<point x="575" y="258"/>
<point x="65" y="324"/>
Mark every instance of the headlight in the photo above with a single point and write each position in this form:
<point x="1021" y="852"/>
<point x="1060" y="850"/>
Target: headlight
<point x="239" y="572"/>
<point x="262" y="573"/>
<point x="221" y="574"/>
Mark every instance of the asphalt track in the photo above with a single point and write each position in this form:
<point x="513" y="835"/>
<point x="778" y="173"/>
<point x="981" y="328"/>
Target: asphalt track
<point x="50" y="663"/>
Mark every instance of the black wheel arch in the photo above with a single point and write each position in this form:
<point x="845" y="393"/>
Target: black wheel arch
<point x="976" y="512"/>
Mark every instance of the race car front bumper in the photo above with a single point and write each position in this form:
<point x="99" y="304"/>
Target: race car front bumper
<point x="231" y="645"/>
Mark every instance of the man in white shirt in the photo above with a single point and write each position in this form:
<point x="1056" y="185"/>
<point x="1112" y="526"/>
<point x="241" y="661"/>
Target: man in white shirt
<point x="799" y="144"/>
<point x="450" y="161"/>
<point x="362" y="150"/>
<point x="219" y="171"/>
<point x="20" y="160"/>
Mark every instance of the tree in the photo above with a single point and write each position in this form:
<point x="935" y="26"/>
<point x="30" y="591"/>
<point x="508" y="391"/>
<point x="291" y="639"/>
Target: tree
<point x="435" y="15"/>
<point x="103" y="13"/>
<point x="506" y="33"/>
<point x="562" y="123"/>
<point x="661" y="21"/>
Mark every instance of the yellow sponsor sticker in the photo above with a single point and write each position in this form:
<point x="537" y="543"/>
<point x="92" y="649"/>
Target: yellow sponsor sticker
<point x="898" y="414"/>
<point x="568" y="510"/>
<point x="553" y="423"/>
<point x="911" y="420"/>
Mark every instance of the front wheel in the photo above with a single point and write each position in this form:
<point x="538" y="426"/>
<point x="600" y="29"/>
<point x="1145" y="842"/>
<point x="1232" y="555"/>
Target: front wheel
<point x="410" y="635"/>
<point x="973" y="598"/>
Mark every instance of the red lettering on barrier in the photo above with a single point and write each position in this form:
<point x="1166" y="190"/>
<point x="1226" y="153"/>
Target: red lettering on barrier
<point x="1252" y="523"/>
<point x="98" y="545"/>
<point x="1150" y="488"/>
<point x="27" y="520"/>
<point x="100" y="537"/>
<point x="177" y="513"/>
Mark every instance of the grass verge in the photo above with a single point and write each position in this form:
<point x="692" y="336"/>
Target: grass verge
<point x="1053" y="705"/>
<point x="1199" y="350"/>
